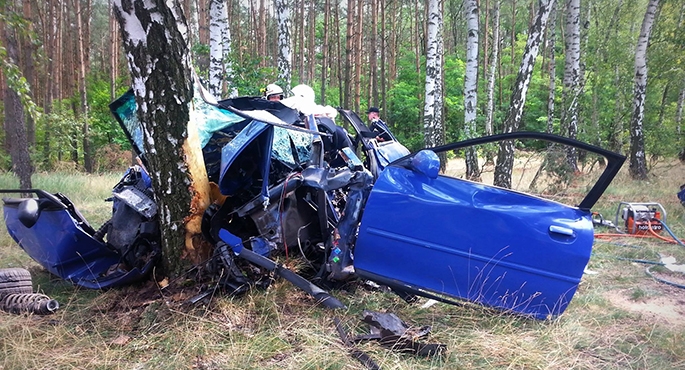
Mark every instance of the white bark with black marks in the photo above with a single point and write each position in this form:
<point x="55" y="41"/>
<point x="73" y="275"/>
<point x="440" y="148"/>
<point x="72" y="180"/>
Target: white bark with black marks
<point x="471" y="88"/>
<point x="154" y="34"/>
<point x="284" y="43"/>
<point x="492" y="74"/>
<point x="571" y="91"/>
<point x="217" y="23"/>
<point x="551" y="41"/>
<point x="638" y="162"/>
<point x="505" y="156"/>
<point x="434" y="131"/>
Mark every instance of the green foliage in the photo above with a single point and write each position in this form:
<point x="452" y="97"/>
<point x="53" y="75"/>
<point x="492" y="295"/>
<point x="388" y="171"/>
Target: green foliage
<point x="405" y="104"/>
<point x="104" y="128"/>
<point x="454" y="97"/>
<point x="13" y="76"/>
<point x="249" y="78"/>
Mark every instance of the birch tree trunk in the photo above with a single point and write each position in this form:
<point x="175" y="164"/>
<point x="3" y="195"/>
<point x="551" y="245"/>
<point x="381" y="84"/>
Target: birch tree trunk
<point x="471" y="88"/>
<point x="492" y="74"/>
<point x="217" y="23"/>
<point x="284" y="44"/>
<point x="571" y="92"/>
<point x="505" y="155"/>
<point x="154" y="34"/>
<point x="638" y="162"/>
<point x="433" y="127"/>
<point x="551" y="41"/>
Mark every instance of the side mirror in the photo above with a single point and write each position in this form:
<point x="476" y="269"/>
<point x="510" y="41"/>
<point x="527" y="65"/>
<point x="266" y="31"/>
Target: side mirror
<point x="427" y="163"/>
<point x="28" y="212"/>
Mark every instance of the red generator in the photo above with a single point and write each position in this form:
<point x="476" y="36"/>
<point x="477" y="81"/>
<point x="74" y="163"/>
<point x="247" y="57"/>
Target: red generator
<point x="639" y="217"/>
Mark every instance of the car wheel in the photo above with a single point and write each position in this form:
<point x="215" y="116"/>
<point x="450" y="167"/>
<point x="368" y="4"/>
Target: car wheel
<point x="15" y="280"/>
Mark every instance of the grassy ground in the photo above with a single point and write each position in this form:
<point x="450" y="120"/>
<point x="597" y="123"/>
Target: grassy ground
<point x="620" y="318"/>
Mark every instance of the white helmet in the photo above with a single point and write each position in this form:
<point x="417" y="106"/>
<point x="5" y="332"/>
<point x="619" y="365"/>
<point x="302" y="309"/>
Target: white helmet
<point x="272" y="89"/>
<point x="305" y="92"/>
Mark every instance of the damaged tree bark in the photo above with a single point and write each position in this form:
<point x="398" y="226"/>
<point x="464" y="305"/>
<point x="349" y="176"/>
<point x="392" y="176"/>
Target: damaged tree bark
<point x="154" y="34"/>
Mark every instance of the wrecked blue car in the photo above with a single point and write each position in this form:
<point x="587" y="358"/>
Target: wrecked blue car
<point x="372" y="211"/>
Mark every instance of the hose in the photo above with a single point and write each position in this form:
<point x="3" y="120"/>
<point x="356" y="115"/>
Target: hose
<point x="680" y="242"/>
<point x="35" y="303"/>
<point x="648" y="271"/>
<point x="671" y="283"/>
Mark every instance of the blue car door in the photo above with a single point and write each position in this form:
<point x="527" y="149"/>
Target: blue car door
<point x="425" y="233"/>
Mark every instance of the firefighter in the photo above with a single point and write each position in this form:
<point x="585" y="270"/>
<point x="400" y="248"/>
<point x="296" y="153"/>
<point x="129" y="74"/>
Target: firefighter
<point x="273" y="92"/>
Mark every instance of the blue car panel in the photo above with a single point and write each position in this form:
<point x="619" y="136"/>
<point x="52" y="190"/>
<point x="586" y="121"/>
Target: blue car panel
<point x="60" y="244"/>
<point x="481" y="243"/>
<point x="63" y="247"/>
<point x="440" y="237"/>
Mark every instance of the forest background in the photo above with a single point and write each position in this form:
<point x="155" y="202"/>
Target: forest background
<point x="65" y="62"/>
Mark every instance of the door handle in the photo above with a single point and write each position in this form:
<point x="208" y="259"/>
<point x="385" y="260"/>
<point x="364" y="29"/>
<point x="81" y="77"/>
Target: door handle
<point x="562" y="230"/>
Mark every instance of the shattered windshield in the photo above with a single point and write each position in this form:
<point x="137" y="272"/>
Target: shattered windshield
<point x="209" y="118"/>
<point x="283" y="151"/>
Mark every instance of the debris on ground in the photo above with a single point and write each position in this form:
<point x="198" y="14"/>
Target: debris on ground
<point x="354" y="351"/>
<point x="396" y="334"/>
<point x="391" y="332"/>
<point x="16" y="294"/>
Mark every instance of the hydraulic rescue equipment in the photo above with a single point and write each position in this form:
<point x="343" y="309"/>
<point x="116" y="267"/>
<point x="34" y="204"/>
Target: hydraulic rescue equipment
<point x="638" y="218"/>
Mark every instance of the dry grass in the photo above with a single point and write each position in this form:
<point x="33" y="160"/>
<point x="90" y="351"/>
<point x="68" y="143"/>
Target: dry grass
<point x="619" y="319"/>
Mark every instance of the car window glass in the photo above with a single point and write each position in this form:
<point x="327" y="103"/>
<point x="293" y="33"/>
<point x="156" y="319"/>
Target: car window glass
<point x="281" y="148"/>
<point x="209" y="118"/>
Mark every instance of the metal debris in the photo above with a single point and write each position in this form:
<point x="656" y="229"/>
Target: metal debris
<point x="394" y="333"/>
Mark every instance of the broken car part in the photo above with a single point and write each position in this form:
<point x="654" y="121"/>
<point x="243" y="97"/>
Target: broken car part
<point x="394" y="333"/>
<point x="15" y="281"/>
<point x="55" y="234"/>
<point x="33" y="303"/>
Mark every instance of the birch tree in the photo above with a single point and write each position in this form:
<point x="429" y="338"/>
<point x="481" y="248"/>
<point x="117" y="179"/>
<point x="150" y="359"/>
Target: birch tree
<point x="571" y="91"/>
<point x="217" y="23"/>
<point x="638" y="163"/>
<point x="505" y="155"/>
<point x="551" y="41"/>
<point x="154" y="37"/>
<point x="492" y="69"/>
<point x="433" y="127"/>
<point x="284" y="43"/>
<point x="471" y="88"/>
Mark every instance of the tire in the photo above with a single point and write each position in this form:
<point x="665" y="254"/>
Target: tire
<point x="15" y="280"/>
